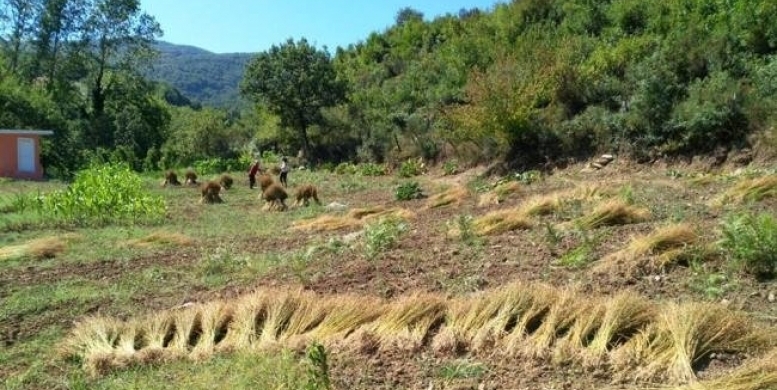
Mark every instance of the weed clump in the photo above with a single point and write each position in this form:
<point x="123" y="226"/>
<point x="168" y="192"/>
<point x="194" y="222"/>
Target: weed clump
<point x="408" y="191"/>
<point x="750" y="242"/>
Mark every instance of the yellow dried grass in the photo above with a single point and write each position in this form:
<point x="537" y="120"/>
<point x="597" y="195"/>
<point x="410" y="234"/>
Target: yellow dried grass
<point x="501" y="221"/>
<point x="407" y="322"/>
<point x="628" y="335"/>
<point x="37" y="249"/>
<point x="759" y="374"/>
<point x="354" y="219"/>
<point x="451" y="197"/>
<point x="499" y="194"/>
<point x="749" y="190"/>
<point x="656" y="250"/>
<point x="326" y="223"/>
<point x="161" y="237"/>
<point x="687" y="333"/>
<point x="612" y="212"/>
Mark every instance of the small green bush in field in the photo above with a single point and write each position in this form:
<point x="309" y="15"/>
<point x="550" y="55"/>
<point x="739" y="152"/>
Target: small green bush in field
<point x="101" y="195"/>
<point x="750" y="242"/>
<point x="345" y="169"/>
<point x="382" y="235"/>
<point x="450" y="168"/>
<point x="409" y="191"/>
<point x="411" y="168"/>
<point x="372" y="169"/>
<point x="318" y="368"/>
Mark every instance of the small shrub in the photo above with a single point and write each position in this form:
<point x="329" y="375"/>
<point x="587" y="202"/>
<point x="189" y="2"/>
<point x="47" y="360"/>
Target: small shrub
<point x="345" y="169"/>
<point x="450" y="168"/>
<point x="371" y="169"/>
<point x="327" y="166"/>
<point x="318" y="368"/>
<point x="466" y="229"/>
<point x="382" y="235"/>
<point x="411" y="168"/>
<point x="750" y="242"/>
<point x="409" y="191"/>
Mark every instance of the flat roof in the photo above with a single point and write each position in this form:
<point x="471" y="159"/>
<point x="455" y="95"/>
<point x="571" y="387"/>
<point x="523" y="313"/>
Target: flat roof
<point x="28" y="132"/>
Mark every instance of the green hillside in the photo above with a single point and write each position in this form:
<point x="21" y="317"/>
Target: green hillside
<point x="209" y="78"/>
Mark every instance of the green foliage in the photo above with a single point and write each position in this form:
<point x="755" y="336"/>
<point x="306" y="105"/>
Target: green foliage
<point x="208" y="78"/>
<point x="750" y="242"/>
<point x="466" y="231"/>
<point x="101" y="195"/>
<point x="294" y="81"/>
<point x="462" y="369"/>
<point x="410" y="168"/>
<point x="318" y="369"/>
<point x="408" y="191"/>
<point x="450" y="167"/>
<point x="371" y="169"/>
<point x="345" y="168"/>
<point x="711" y="115"/>
<point x="217" y="165"/>
<point x="382" y="235"/>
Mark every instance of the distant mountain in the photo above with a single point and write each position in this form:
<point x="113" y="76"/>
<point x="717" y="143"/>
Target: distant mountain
<point x="202" y="76"/>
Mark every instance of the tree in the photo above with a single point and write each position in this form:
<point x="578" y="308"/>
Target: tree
<point x="119" y="38"/>
<point x="21" y="18"/>
<point x="295" y="81"/>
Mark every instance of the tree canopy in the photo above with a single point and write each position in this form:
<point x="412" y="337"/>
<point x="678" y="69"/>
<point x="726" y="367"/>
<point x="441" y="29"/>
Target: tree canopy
<point x="295" y="81"/>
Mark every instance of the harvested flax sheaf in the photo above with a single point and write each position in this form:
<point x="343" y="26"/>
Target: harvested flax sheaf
<point x="627" y="336"/>
<point x="652" y="252"/>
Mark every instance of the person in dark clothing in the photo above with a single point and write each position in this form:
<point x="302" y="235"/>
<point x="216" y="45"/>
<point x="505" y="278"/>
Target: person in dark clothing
<point x="284" y="171"/>
<point x="252" y="171"/>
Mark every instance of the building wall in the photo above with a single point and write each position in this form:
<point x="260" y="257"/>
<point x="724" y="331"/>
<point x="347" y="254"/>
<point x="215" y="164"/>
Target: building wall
<point x="8" y="155"/>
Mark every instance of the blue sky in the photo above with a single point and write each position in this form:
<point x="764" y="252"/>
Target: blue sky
<point x="228" y="26"/>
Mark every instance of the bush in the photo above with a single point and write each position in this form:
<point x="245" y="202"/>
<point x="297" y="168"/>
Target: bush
<point x="750" y="242"/>
<point x="372" y="169"/>
<point x="102" y="195"/>
<point x="382" y="235"/>
<point x="345" y="169"/>
<point x="408" y="191"/>
<point x="450" y="168"/>
<point x="411" y="168"/>
<point x="217" y="165"/>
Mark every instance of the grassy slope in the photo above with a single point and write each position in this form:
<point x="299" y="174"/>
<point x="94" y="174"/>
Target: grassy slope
<point x="236" y="246"/>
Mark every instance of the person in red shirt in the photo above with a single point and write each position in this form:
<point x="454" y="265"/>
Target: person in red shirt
<point x="252" y="171"/>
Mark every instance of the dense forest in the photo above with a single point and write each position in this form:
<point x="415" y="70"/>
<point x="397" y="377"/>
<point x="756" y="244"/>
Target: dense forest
<point x="207" y="78"/>
<point x="530" y="82"/>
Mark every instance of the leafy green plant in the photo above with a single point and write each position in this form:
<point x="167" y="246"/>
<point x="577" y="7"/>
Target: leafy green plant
<point x="408" y="191"/>
<point x="466" y="231"/>
<point x="101" y="195"/>
<point x="581" y="255"/>
<point x="750" y="242"/>
<point x="711" y="284"/>
<point x="318" y="368"/>
<point x="450" y="167"/>
<point x="217" y="165"/>
<point x="462" y="369"/>
<point x="382" y="235"/>
<point x="626" y="193"/>
<point x="345" y="168"/>
<point x="371" y="169"/>
<point x="411" y="168"/>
